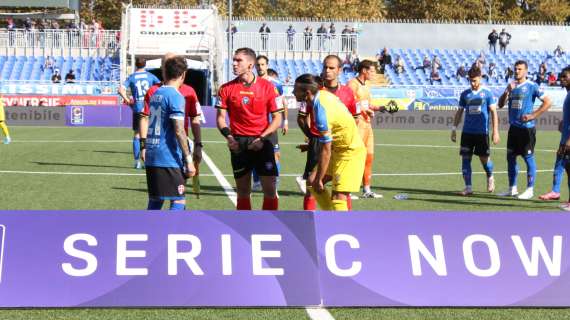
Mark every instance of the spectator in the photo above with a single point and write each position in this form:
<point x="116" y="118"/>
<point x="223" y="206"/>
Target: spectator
<point x="504" y="39"/>
<point x="426" y="64"/>
<point x="332" y="30"/>
<point x="481" y="61"/>
<point x="541" y="75"/>
<point x="353" y="35"/>
<point x="321" y="35"/>
<point x="70" y="77"/>
<point x="308" y="35"/>
<point x="11" y="31"/>
<point x="434" y="77"/>
<point x="384" y="60"/>
<point x="354" y="60"/>
<point x="48" y="65"/>
<point x="290" y="36"/>
<point x="399" y="65"/>
<point x="509" y="73"/>
<point x="552" y="79"/>
<point x="493" y="37"/>
<point x="436" y="63"/>
<point x="232" y="29"/>
<point x="492" y="72"/>
<point x="345" y="37"/>
<point x="461" y="72"/>
<point x="264" y="31"/>
<point x="56" y="77"/>
<point x="559" y="52"/>
<point x="347" y="64"/>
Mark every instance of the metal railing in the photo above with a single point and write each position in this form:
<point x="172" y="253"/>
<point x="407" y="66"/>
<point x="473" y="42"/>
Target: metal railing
<point x="59" y="39"/>
<point x="282" y="42"/>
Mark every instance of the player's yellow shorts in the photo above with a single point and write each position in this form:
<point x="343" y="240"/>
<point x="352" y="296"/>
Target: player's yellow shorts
<point x="367" y="135"/>
<point x="347" y="173"/>
<point x="2" y="115"/>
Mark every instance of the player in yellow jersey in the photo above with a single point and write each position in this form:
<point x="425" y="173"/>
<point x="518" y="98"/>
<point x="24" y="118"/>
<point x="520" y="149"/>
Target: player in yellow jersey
<point x="3" y="125"/>
<point x="362" y="95"/>
<point x="341" y="154"/>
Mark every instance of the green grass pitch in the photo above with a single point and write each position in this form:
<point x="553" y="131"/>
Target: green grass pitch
<point x="92" y="168"/>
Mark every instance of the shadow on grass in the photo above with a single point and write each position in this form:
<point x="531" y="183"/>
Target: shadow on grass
<point x="109" y="152"/>
<point x="189" y="191"/>
<point x="41" y="163"/>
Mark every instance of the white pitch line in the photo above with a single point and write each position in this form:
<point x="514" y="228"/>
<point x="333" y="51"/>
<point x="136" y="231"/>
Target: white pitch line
<point x="319" y="313"/>
<point x="221" y="178"/>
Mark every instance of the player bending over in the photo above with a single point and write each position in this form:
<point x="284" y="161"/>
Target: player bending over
<point x="168" y="160"/>
<point x="520" y="96"/>
<point x="341" y="152"/>
<point x="478" y="103"/>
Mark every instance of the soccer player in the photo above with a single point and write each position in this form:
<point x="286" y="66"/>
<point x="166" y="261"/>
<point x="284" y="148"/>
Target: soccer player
<point x="361" y="91"/>
<point x="564" y="149"/>
<point x="520" y="96"/>
<point x="167" y="160"/>
<point x="341" y="152"/>
<point x="139" y="82"/>
<point x="3" y="125"/>
<point x="249" y="100"/>
<point x="263" y="71"/>
<point x="554" y="194"/>
<point x="332" y="67"/>
<point x="479" y="105"/>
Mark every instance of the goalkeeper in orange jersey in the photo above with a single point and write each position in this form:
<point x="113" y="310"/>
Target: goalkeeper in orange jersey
<point x="361" y="91"/>
<point x="3" y="125"/>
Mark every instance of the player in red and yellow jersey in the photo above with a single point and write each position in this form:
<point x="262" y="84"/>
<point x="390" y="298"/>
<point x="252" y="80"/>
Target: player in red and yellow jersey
<point x="3" y="125"/>
<point x="248" y="100"/>
<point x="361" y="91"/>
<point x="332" y="67"/>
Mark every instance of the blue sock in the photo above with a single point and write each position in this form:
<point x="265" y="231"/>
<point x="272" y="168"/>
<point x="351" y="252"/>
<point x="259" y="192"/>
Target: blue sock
<point x="513" y="169"/>
<point x="466" y="170"/>
<point x="278" y="163"/>
<point x="154" y="204"/>
<point x="558" y="173"/>
<point x="174" y="206"/>
<point x="137" y="148"/>
<point x="488" y="167"/>
<point x="255" y="176"/>
<point x="531" y="169"/>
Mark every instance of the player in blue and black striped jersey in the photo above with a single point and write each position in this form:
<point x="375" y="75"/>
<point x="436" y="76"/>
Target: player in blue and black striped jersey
<point x="138" y="83"/>
<point x="564" y="149"/>
<point x="479" y="104"/>
<point x="520" y="96"/>
<point x="168" y="160"/>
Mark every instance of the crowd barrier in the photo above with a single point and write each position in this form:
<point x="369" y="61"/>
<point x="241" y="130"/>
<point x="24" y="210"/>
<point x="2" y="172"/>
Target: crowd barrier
<point x="222" y="258"/>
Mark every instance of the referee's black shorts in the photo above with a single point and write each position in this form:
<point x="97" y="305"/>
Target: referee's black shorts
<point x="165" y="183"/>
<point x="521" y="141"/>
<point x="312" y="156"/>
<point x="472" y="143"/>
<point x="245" y="160"/>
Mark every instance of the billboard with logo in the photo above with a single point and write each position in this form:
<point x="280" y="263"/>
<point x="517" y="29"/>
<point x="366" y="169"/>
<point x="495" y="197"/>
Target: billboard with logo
<point x="58" y="101"/>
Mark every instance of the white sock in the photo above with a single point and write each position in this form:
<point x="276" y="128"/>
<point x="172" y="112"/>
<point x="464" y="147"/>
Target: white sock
<point x="367" y="189"/>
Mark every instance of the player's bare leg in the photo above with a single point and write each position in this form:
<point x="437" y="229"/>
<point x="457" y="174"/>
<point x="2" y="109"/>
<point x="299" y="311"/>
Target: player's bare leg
<point x="243" y="190"/>
<point x="488" y="167"/>
<point x="323" y="198"/>
<point x="340" y="201"/>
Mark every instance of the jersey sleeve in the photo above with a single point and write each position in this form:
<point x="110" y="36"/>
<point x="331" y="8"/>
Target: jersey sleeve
<point x="193" y="108"/>
<point x="127" y="83"/>
<point x="275" y="101"/>
<point x="153" y="80"/>
<point x="352" y="107"/>
<point x="321" y="122"/>
<point x="176" y="106"/>
<point x="462" y="102"/>
<point x="491" y="99"/>
<point x="538" y="92"/>
<point x="303" y="109"/>
<point x="146" y="106"/>
<point x="222" y="101"/>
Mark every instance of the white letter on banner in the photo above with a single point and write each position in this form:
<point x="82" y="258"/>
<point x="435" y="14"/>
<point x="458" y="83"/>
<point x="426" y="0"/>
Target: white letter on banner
<point x="90" y="259"/>
<point x="417" y="247"/>
<point x="123" y="253"/>
<point x="493" y="254"/>
<point x="538" y="249"/>
<point x="227" y="255"/>
<point x="257" y="255"/>
<point x="189" y="256"/>
<point x="330" y="255"/>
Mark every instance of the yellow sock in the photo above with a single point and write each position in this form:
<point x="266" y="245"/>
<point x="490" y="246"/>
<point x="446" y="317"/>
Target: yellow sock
<point x="323" y="199"/>
<point x="339" y="205"/>
<point x="4" y="129"/>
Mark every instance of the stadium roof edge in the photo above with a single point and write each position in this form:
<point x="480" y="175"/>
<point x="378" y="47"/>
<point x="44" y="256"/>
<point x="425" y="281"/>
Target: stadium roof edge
<point x="419" y="21"/>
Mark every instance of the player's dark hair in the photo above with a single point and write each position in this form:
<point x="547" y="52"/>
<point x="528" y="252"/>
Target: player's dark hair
<point x="474" y="72"/>
<point x="365" y="64"/>
<point x="335" y="57"/>
<point x="140" y="63"/>
<point x="247" y="52"/>
<point x="272" y="73"/>
<point x="309" y="82"/>
<point x="263" y="57"/>
<point x="519" y="62"/>
<point x="565" y="70"/>
<point x="174" y="68"/>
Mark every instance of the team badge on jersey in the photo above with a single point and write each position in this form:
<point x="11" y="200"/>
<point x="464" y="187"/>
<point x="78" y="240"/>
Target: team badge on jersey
<point x="245" y="100"/>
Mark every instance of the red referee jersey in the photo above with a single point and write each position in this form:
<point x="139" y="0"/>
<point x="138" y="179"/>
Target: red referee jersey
<point x="248" y="106"/>
<point x="346" y="96"/>
<point x="192" y="106"/>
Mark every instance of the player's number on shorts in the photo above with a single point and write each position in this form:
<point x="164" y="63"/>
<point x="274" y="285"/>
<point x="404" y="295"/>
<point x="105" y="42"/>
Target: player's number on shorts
<point x="142" y="88"/>
<point x="155" y="120"/>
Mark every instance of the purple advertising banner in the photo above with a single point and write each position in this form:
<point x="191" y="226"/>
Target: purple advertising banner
<point x="215" y="258"/>
<point x="117" y="116"/>
<point x="138" y="258"/>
